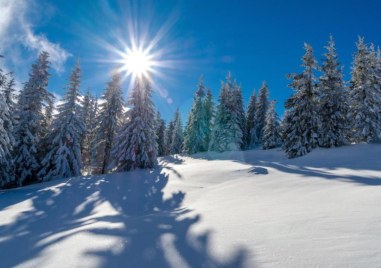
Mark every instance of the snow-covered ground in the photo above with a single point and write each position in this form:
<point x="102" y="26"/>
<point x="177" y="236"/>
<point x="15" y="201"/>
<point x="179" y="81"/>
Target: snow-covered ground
<point x="235" y="209"/>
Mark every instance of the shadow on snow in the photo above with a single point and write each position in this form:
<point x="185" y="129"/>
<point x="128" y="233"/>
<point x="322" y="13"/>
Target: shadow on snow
<point x="152" y="231"/>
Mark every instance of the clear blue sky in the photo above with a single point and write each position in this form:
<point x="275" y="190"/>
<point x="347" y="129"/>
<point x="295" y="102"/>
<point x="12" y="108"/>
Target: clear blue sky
<point x="255" y="40"/>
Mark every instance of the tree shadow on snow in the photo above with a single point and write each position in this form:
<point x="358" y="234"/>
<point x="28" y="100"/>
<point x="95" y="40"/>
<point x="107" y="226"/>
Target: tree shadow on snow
<point x="143" y="229"/>
<point x="320" y="163"/>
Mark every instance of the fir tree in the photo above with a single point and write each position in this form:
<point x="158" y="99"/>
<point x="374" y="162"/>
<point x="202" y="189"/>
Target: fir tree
<point x="227" y="132"/>
<point x="196" y="128"/>
<point x="261" y="110"/>
<point x="6" y="134"/>
<point x="301" y="130"/>
<point x="271" y="131"/>
<point x="168" y="137"/>
<point x="239" y="114"/>
<point x="177" y="138"/>
<point x="208" y="106"/>
<point x="160" y="134"/>
<point x="110" y="113"/>
<point x="30" y="128"/>
<point x="251" y="137"/>
<point x="333" y="104"/>
<point x="365" y="96"/>
<point x="136" y="145"/>
<point x="63" y="159"/>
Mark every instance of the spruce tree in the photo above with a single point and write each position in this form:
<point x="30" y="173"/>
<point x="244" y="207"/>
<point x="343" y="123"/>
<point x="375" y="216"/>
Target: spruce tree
<point x="110" y="113"/>
<point x="160" y="134"/>
<point x="239" y="115"/>
<point x="168" y="137"/>
<point x="197" y="125"/>
<point x="177" y="138"/>
<point x="86" y="141"/>
<point x="208" y="106"/>
<point x="227" y="134"/>
<point x="64" y="159"/>
<point x="261" y="110"/>
<point x="136" y="145"/>
<point x="365" y="96"/>
<point x="302" y="118"/>
<point x="271" y="131"/>
<point x="251" y="137"/>
<point x="30" y="128"/>
<point x="333" y="104"/>
<point x="6" y="135"/>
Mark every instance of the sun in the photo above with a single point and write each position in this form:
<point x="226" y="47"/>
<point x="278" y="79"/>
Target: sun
<point x="137" y="62"/>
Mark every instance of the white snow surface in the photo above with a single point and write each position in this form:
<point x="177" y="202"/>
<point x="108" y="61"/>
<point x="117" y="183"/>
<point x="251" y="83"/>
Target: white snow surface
<point x="235" y="209"/>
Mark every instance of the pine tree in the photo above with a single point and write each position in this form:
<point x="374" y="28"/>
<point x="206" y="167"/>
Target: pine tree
<point x="302" y="119"/>
<point x="271" y="131"/>
<point x="261" y="110"/>
<point x="63" y="159"/>
<point x="208" y="117"/>
<point x="136" y="145"/>
<point x="160" y="134"/>
<point x="239" y="113"/>
<point x="86" y="141"/>
<point x="6" y="134"/>
<point x="168" y="137"/>
<point x="196" y="127"/>
<point x="30" y="128"/>
<point x="251" y="136"/>
<point x="177" y="138"/>
<point x="333" y="104"/>
<point x="110" y="113"/>
<point x="227" y="132"/>
<point x="365" y="96"/>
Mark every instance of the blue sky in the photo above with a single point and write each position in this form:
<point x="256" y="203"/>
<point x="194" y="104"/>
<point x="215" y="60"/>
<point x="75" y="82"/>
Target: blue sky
<point x="255" y="40"/>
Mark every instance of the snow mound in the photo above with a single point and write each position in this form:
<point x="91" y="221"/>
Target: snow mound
<point x="234" y="209"/>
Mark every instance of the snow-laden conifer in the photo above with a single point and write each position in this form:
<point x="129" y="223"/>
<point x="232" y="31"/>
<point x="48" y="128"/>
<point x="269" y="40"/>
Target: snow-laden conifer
<point x="31" y="125"/>
<point x="177" y="136"/>
<point x="136" y="145"/>
<point x="109" y="121"/>
<point x="261" y="110"/>
<point x="251" y="136"/>
<point x="63" y="159"/>
<point x="333" y="101"/>
<point x="196" y="129"/>
<point x="271" y="131"/>
<point x="301" y="130"/>
<point x="365" y="97"/>
<point x="227" y="132"/>
<point x="160" y="134"/>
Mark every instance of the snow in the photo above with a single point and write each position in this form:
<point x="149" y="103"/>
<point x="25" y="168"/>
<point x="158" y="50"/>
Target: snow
<point x="234" y="209"/>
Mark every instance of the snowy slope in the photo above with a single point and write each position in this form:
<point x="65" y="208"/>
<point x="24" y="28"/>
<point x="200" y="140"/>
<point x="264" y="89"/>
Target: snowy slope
<point x="236" y="209"/>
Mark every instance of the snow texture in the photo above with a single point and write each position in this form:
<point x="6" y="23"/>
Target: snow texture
<point x="234" y="209"/>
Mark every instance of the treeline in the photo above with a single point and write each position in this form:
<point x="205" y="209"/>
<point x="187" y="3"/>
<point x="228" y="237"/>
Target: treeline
<point x="85" y="135"/>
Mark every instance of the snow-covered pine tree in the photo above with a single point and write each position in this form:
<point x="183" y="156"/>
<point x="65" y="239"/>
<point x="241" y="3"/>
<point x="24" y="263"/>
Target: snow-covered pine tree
<point x="208" y="106"/>
<point x="160" y="134"/>
<point x="136" y="145"/>
<point x="271" y="131"/>
<point x="177" y="138"/>
<point x="6" y="135"/>
<point x="227" y="132"/>
<point x="365" y="96"/>
<point x="92" y="133"/>
<point x="239" y="113"/>
<point x="168" y="137"/>
<point x="251" y="136"/>
<point x="85" y="143"/>
<point x="30" y="127"/>
<point x="301" y="130"/>
<point x="196" y="129"/>
<point x="63" y="159"/>
<point x="10" y="97"/>
<point x="110" y="114"/>
<point x="333" y="102"/>
<point x="261" y="110"/>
